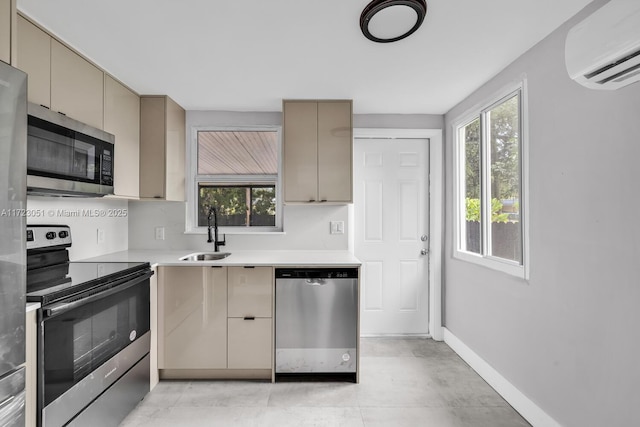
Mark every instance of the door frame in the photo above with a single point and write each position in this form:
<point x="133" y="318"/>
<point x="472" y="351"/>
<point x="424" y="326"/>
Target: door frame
<point x="436" y="212"/>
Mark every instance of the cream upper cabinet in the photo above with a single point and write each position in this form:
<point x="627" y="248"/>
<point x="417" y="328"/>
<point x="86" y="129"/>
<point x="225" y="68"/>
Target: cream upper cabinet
<point x="318" y="138"/>
<point x="77" y="86"/>
<point x="335" y="151"/>
<point x="34" y="58"/>
<point x="162" y="148"/>
<point x="7" y="33"/>
<point x="122" y="119"/>
<point x="300" y="134"/>
<point x="192" y="318"/>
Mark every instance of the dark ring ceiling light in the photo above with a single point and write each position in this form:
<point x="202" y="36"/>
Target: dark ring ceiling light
<point x="386" y="34"/>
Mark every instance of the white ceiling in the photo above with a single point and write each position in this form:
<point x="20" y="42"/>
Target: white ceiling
<point x="248" y="55"/>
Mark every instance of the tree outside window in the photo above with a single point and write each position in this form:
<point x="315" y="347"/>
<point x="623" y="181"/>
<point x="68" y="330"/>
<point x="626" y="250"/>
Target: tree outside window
<point x="491" y="157"/>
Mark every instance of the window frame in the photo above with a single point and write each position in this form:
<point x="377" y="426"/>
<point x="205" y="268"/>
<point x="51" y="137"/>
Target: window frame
<point x="478" y="112"/>
<point x="193" y="179"/>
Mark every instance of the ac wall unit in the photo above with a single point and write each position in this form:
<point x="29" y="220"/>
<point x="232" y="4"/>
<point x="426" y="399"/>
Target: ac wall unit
<point x="603" y="51"/>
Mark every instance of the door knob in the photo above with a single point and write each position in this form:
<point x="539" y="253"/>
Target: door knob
<point x="424" y="251"/>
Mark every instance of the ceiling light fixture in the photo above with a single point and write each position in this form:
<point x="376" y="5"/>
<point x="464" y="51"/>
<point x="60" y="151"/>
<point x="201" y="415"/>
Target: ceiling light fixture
<point x="386" y="21"/>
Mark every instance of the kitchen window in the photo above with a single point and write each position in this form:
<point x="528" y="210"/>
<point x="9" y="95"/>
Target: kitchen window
<point x="490" y="184"/>
<point x="236" y="171"/>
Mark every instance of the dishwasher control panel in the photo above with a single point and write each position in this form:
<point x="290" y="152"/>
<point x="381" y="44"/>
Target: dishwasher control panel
<point x="317" y="273"/>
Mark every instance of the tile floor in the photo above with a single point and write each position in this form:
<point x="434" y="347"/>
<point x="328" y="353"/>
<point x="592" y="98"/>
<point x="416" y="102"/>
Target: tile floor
<point x="403" y="382"/>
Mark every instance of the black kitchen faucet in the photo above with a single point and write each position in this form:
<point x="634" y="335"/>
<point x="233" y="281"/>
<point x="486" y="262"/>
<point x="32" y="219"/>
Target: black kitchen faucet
<point x="214" y="240"/>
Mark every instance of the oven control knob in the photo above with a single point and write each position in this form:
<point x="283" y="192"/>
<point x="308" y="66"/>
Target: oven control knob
<point x="50" y="235"/>
<point x="63" y="234"/>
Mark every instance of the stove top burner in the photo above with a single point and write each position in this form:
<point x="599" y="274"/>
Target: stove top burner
<point x="50" y="275"/>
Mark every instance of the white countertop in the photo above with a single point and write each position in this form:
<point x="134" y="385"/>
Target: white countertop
<point x="297" y="258"/>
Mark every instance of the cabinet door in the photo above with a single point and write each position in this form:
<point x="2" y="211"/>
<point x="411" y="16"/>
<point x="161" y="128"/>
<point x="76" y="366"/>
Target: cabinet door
<point x="5" y="31"/>
<point x="335" y="141"/>
<point x="250" y="291"/>
<point x="34" y="58"/>
<point x="194" y="318"/>
<point x="175" y="140"/>
<point x="77" y="86"/>
<point x="250" y="343"/>
<point x="152" y="147"/>
<point x="300" y="151"/>
<point x="31" y="372"/>
<point x="162" y="148"/>
<point x="122" y="119"/>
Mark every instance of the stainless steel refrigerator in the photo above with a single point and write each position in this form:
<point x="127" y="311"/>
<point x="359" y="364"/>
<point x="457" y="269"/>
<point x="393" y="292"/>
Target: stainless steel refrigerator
<point x="13" y="200"/>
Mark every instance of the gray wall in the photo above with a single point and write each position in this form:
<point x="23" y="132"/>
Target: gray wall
<point x="567" y="338"/>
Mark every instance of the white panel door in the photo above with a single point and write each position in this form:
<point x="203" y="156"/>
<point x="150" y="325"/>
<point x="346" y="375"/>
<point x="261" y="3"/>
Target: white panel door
<point x="391" y="217"/>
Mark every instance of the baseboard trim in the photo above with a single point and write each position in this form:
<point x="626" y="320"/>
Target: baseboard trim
<point x="395" y="336"/>
<point x="521" y="403"/>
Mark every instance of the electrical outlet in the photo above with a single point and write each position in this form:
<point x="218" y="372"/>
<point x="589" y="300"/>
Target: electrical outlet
<point x="100" y="235"/>
<point x="159" y="233"/>
<point x="337" y="227"/>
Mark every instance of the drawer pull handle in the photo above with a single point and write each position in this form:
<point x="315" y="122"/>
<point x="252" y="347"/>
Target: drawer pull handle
<point x="249" y="318"/>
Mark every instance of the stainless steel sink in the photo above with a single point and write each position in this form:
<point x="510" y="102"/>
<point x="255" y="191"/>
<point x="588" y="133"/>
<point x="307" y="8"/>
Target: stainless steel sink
<point x="205" y="256"/>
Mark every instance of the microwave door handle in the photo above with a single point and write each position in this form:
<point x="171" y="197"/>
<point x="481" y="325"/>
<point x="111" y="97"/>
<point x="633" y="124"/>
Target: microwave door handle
<point x="62" y="307"/>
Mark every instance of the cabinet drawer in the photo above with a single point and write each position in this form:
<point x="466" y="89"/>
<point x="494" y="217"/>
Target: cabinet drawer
<point x="249" y="343"/>
<point x="250" y="291"/>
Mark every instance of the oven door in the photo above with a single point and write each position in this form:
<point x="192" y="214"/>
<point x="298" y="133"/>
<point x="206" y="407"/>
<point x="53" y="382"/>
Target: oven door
<point x="79" y="336"/>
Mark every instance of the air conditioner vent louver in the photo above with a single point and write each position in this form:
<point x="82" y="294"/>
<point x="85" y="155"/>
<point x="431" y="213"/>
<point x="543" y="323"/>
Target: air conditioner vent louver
<point x="613" y="64"/>
<point x="603" y="51"/>
<point x="622" y="75"/>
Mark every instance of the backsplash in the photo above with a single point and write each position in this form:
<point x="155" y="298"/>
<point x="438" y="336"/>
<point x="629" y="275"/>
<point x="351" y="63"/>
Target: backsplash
<point x="98" y="226"/>
<point x="305" y="227"/>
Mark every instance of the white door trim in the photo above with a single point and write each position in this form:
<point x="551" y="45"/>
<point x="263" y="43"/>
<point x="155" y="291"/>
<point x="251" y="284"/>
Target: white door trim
<point x="436" y="212"/>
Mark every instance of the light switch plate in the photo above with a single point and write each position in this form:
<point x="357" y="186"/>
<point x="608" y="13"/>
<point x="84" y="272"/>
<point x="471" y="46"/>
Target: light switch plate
<point x="337" y="227"/>
<point x="159" y="233"/>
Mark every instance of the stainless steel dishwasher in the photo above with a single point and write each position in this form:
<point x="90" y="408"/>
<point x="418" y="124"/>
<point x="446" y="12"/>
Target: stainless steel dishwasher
<point x="316" y="321"/>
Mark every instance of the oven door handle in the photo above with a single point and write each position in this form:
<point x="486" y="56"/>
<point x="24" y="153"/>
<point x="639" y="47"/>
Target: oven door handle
<point x="63" y="307"/>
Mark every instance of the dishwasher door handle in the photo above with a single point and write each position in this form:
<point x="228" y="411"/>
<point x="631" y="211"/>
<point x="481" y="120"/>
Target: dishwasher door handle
<point x="315" y="282"/>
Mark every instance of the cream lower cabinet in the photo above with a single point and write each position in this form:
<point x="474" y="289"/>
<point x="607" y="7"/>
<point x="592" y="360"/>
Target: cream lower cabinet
<point x="192" y="318"/>
<point x="31" y="365"/>
<point x="250" y="305"/>
<point x="215" y="322"/>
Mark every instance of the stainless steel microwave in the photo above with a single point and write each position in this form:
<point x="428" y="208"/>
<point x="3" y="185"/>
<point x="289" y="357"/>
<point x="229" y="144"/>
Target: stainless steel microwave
<point x="66" y="157"/>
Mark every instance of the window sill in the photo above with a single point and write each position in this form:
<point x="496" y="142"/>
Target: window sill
<point x="230" y="231"/>
<point x="496" y="264"/>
